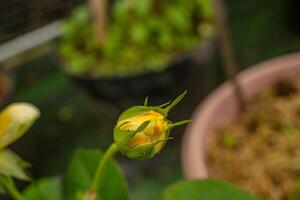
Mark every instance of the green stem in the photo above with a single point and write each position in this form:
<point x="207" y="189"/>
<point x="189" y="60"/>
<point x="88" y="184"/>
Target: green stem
<point x="109" y="153"/>
<point x="10" y="187"/>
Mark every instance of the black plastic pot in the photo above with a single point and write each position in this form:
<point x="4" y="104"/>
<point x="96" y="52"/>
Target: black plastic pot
<point x="189" y="71"/>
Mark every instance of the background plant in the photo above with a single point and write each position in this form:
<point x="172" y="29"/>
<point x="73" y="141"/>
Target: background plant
<point x="142" y="35"/>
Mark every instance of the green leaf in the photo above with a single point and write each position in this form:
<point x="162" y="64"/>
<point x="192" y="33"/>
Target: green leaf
<point x="120" y="10"/>
<point x="80" y="174"/>
<point x="12" y="165"/>
<point x="139" y="33"/>
<point x="207" y="8"/>
<point x="204" y="190"/>
<point x="178" y="17"/>
<point x="143" y="7"/>
<point x="44" y="189"/>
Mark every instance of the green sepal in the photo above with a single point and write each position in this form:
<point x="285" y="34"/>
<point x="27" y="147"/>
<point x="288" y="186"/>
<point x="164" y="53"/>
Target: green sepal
<point x="165" y="104"/>
<point x="146" y="101"/>
<point x="134" y="111"/>
<point x="181" y="123"/>
<point x="138" y="110"/>
<point x="165" y="108"/>
<point x="162" y="109"/>
<point x="122" y="137"/>
<point x="144" y="151"/>
<point x="170" y="127"/>
<point x="175" y="102"/>
<point x="11" y="165"/>
<point x="142" y="127"/>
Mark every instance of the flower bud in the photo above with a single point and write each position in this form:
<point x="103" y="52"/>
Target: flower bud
<point x="142" y="131"/>
<point x="15" y="120"/>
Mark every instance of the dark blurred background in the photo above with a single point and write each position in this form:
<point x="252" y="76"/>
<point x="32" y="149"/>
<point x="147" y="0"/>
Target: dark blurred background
<point x="72" y="118"/>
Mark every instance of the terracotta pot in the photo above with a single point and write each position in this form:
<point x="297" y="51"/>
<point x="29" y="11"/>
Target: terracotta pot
<point x="221" y="106"/>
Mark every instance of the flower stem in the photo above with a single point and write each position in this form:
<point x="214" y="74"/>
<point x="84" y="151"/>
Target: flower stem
<point x="109" y="153"/>
<point x="11" y="189"/>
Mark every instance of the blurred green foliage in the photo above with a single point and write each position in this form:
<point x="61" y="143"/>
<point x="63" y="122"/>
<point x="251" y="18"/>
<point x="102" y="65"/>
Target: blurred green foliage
<point x="45" y="189"/>
<point x="142" y="35"/>
<point x="82" y="167"/>
<point x="204" y="190"/>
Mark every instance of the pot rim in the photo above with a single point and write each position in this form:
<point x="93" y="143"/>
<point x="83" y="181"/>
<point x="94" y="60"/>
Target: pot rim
<point x="260" y="75"/>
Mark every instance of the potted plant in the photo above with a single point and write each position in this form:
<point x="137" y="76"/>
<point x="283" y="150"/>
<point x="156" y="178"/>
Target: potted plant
<point x="262" y="120"/>
<point x="148" y="47"/>
<point x="141" y="132"/>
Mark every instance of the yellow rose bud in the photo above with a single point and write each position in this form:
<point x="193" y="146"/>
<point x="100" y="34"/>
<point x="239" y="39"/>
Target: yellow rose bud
<point x="142" y="131"/>
<point x="15" y="120"/>
<point x="156" y="130"/>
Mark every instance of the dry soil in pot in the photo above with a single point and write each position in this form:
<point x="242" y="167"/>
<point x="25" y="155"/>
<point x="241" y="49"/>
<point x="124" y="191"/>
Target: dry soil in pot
<point x="260" y="150"/>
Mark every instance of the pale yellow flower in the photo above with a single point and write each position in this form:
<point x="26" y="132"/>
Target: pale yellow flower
<point x="15" y="120"/>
